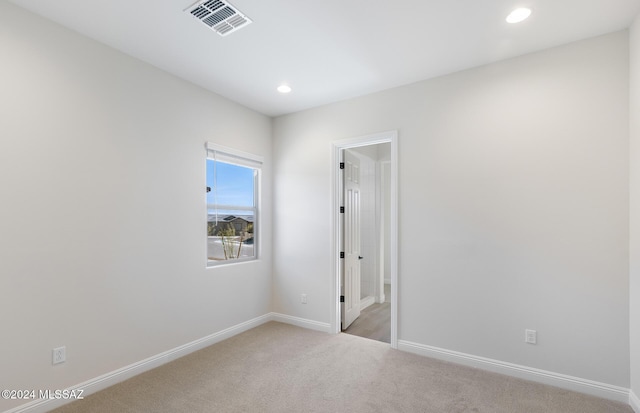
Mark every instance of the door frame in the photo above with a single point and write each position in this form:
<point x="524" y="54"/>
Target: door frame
<point x="337" y="147"/>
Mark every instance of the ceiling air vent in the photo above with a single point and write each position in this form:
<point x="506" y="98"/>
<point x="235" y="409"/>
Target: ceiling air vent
<point x="219" y="16"/>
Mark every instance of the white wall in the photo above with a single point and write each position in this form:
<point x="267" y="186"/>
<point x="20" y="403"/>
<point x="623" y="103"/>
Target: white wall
<point x="634" y="109"/>
<point x="518" y="172"/>
<point x="103" y="217"/>
<point x="385" y="175"/>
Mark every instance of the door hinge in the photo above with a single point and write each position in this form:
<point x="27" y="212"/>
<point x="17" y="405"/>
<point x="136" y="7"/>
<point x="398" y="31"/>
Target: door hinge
<point x="342" y="210"/>
<point x="341" y="165"/>
<point x="342" y="298"/>
<point x="341" y="254"/>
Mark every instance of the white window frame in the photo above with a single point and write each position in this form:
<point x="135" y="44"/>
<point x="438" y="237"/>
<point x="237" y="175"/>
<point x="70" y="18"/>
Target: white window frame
<point x="233" y="156"/>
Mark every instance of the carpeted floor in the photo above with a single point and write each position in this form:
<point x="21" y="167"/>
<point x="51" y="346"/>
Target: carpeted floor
<point x="282" y="368"/>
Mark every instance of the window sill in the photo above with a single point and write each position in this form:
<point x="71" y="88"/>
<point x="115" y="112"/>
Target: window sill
<point x="224" y="263"/>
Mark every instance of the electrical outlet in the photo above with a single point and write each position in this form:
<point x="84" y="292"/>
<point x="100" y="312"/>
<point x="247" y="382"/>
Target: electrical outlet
<point x="59" y="355"/>
<point x="303" y="298"/>
<point x="530" y="336"/>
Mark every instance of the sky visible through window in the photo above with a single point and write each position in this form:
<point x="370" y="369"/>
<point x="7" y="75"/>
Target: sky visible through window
<point x="234" y="184"/>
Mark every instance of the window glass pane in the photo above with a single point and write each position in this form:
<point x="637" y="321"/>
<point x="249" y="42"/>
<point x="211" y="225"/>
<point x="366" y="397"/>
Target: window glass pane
<point x="230" y="235"/>
<point x="230" y="184"/>
<point x="231" y="212"/>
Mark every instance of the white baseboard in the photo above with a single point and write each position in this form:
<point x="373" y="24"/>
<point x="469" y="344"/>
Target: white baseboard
<point x="634" y="401"/>
<point x="590" y="387"/>
<point x="106" y="380"/>
<point x="366" y="302"/>
<point x="300" y="322"/>
<point x="546" y="377"/>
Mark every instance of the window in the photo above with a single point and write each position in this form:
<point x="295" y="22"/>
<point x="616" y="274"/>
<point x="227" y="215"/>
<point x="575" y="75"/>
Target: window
<point x="233" y="179"/>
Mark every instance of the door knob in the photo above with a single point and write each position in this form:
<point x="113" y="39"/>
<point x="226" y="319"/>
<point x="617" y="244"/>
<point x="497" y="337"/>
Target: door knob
<point x="359" y="257"/>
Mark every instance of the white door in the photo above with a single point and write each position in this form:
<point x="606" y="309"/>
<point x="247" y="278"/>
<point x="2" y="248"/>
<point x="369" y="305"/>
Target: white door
<point x="351" y="243"/>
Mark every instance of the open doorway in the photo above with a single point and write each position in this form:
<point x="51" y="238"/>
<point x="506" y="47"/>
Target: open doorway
<point x="365" y="231"/>
<point x="365" y="226"/>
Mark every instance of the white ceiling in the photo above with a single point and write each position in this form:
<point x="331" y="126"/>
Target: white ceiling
<point x="331" y="50"/>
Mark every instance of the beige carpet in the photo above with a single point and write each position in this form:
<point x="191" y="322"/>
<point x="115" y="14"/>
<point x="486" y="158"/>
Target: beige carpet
<point x="281" y="368"/>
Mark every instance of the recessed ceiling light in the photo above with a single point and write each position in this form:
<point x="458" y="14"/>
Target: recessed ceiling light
<point x="284" y="89"/>
<point x="518" y="15"/>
